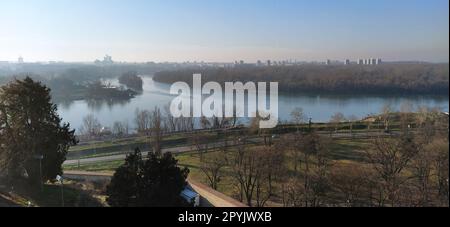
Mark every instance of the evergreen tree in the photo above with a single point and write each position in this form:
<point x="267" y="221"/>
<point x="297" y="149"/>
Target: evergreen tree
<point x="156" y="182"/>
<point x="30" y="128"/>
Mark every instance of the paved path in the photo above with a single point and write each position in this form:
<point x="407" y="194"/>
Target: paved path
<point x="4" y="202"/>
<point x="118" y="157"/>
<point x="177" y="150"/>
<point x="213" y="197"/>
<point x="209" y="196"/>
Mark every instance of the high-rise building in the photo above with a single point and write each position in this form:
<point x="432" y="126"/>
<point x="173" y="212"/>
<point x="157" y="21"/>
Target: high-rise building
<point x="347" y="62"/>
<point x="20" y="60"/>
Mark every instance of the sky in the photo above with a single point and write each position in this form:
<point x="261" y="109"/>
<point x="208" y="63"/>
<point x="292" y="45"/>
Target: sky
<point x="224" y="30"/>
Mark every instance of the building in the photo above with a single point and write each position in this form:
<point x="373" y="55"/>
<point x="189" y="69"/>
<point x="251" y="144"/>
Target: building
<point x="191" y="196"/>
<point x="107" y="60"/>
<point x="379" y="61"/>
<point x="20" y="60"/>
<point x="369" y="61"/>
<point x="328" y="62"/>
<point x="347" y="62"/>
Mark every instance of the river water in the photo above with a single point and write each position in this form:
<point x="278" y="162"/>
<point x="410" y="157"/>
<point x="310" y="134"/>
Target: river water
<point x="318" y="107"/>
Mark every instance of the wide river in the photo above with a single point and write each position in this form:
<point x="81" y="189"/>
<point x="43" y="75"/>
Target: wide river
<point x="318" y="107"/>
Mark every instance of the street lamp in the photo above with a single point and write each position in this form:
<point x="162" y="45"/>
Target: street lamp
<point x="60" y="179"/>
<point x="40" y="158"/>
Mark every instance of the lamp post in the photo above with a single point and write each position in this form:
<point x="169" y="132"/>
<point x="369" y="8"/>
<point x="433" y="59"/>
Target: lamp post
<point x="61" y="180"/>
<point x="40" y="158"/>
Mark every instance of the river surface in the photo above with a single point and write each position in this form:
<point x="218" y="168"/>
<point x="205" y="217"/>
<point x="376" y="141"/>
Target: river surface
<point x="318" y="107"/>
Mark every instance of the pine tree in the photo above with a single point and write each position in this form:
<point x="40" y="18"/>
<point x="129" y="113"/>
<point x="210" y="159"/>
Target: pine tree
<point x="156" y="182"/>
<point x="30" y="127"/>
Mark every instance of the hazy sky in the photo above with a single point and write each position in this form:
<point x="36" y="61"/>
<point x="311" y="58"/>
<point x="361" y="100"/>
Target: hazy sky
<point x="224" y="30"/>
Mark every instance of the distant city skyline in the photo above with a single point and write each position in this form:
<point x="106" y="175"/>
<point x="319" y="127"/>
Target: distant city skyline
<point x="224" y="31"/>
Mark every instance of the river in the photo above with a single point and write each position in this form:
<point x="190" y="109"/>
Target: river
<point x="318" y="107"/>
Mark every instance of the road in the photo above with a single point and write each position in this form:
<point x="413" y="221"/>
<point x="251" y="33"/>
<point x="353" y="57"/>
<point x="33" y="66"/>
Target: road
<point x="173" y="150"/>
<point x="183" y="149"/>
<point x="122" y="156"/>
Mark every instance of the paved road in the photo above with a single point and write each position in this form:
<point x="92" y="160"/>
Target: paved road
<point x="122" y="156"/>
<point x="118" y="157"/>
<point x="177" y="150"/>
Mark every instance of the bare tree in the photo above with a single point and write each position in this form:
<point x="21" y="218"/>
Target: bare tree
<point x="389" y="158"/>
<point x="142" y="120"/>
<point x="440" y="166"/>
<point x="91" y="126"/>
<point x="309" y="188"/>
<point x="170" y="121"/>
<point x="120" y="129"/>
<point x="428" y="122"/>
<point x="406" y="109"/>
<point x="247" y="167"/>
<point x="157" y="130"/>
<point x="200" y="142"/>
<point x="386" y="113"/>
<point x="319" y="184"/>
<point x="351" y="181"/>
<point x="205" y="123"/>
<point x="212" y="167"/>
<point x="298" y="117"/>
<point x="292" y="192"/>
<point x="271" y="162"/>
<point x="290" y="143"/>
<point x="352" y="120"/>
<point x="421" y="170"/>
<point x="336" y="120"/>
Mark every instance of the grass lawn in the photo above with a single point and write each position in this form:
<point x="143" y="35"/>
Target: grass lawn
<point x="342" y="151"/>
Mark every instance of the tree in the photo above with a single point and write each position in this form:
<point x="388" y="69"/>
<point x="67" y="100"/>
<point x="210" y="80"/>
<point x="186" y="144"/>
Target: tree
<point x="30" y="127"/>
<point x="336" y="119"/>
<point x="132" y="80"/>
<point x="272" y="169"/>
<point x="406" y="109"/>
<point x="351" y="181"/>
<point x="205" y="123"/>
<point x="122" y="191"/>
<point x="142" y="120"/>
<point x="352" y="119"/>
<point x="200" y="142"/>
<point x="246" y="169"/>
<point x="171" y="123"/>
<point x="298" y="117"/>
<point x="120" y="129"/>
<point x="157" y="182"/>
<point x="315" y="178"/>
<point x="440" y="165"/>
<point x="390" y="157"/>
<point x="386" y="112"/>
<point x="91" y="126"/>
<point x="291" y="144"/>
<point x="212" y="167"/>
<point x="156" y="122"/>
